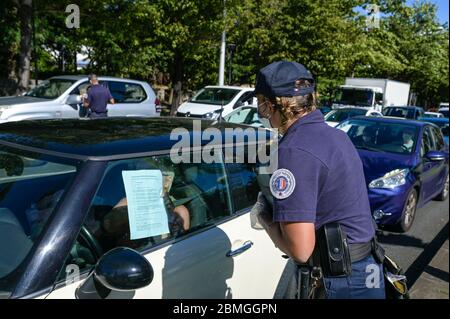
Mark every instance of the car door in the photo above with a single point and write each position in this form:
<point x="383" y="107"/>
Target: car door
<point x="188" y="263"/>
<point x="259" y="267"/>
<point x="129" y="99"/>
<point x="441" y="167"/>
<point x="430" y="170"/>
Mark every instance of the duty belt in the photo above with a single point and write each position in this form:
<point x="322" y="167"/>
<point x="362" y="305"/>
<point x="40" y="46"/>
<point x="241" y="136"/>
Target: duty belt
<point x="360" y="251"/>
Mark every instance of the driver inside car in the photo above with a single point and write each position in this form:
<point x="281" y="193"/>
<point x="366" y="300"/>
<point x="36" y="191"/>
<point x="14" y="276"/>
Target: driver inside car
<point x="408" y="141"/>
<point x="115" y="224"/>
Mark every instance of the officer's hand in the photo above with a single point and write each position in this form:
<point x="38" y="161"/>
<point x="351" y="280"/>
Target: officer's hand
<point x="261" y="213"/>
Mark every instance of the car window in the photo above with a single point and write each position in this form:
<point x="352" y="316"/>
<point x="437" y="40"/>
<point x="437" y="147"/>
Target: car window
<point x="215" y="96"/>
<point x="427" y="142"/>
<point x="245" y="99"/>
<point x="438" y="138"/>
<point x="81" y="89"/>
<point x="194" y="196"/>
<point x="30" y="189"/>
<point x="50" y="89"/>
<point x="124" y="92"/>
<point x="242" y="179"/>
<point x="239" y="116"/>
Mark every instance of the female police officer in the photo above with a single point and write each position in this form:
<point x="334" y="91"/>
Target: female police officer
<point x="319" y="182"/>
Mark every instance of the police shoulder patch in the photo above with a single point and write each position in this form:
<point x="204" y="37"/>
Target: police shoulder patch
<point x="282" y="183"/>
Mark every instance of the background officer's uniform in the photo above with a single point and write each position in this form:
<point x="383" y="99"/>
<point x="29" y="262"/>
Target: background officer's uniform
<point x="98" y="97"/>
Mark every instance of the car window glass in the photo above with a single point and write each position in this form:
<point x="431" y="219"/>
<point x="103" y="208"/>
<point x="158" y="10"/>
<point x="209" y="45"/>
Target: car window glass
<point x="242" y="179"/>
<point x="239" y="116"/>
<point x="30" y="189"/>
<point x="195" y="196"/>
<point x="439" y="139"/>
<point x="124" y="92"/>
<point x="427" y="142"/>
<point x="81" y="89"/>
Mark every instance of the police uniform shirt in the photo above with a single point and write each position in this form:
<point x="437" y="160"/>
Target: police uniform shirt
<point x="98" y="97"/>
<point x="320" y="179"/>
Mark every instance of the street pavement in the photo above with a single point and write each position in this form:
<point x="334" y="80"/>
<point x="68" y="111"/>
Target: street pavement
<point x="422" y="253"/>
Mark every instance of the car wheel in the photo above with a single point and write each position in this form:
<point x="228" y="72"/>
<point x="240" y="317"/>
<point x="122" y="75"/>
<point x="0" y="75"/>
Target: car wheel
<point x="444" y="194"/>
<point x="409" y="212"/>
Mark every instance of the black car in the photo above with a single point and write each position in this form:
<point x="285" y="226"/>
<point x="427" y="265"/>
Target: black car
<point x="80" y="201"/>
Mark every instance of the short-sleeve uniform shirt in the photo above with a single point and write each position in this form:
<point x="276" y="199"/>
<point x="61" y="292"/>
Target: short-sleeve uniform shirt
<point x="320" y="179"/>
<point x="98" y="97"/>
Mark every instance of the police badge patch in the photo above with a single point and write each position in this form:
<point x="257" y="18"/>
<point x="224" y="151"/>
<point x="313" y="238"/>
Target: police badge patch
<point x="282" y="183"/>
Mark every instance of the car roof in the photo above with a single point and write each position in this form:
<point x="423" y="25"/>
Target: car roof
<point x="390" y="119"/>
<point x="85" y="77"/>
<point x="229" y="87"/>
<point x="110" y="137"/>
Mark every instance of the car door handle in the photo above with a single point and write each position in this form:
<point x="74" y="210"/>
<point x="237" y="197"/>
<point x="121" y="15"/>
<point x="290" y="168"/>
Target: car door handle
<point x="247" y="245"/>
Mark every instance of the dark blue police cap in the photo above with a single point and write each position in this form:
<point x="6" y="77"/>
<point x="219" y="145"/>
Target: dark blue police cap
<point x="278" y="79"/>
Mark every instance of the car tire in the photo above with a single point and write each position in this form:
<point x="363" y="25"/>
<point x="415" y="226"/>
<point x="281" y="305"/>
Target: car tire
<point x="409" y="212"/>
<point x="444" y="194"/>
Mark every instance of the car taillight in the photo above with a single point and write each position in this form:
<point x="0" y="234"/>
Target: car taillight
<point x="158" y="105"/>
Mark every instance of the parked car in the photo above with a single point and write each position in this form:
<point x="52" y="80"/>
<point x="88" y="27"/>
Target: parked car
<point x="115" y="202"/>
<point x="325" y="109"/>
<point x="334" y="117"/>
<point x="214" y="101"/>
<point x="59" y="97"/>
<point x="443" y="109"/>
<point x="406" y="164"/>
<point x="441" y="122"/>
<point x="433" y="114"/>
<point x="406" y="112"/>
<point x="244" y="115"/>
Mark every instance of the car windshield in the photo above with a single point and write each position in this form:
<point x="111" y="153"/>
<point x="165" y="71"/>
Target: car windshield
<point x="341" y="115"/>
<point x="444" y="112"/>
<point x="403" y="112"/>
<point x="351" y="96"/>
<point x="30" y="188"/>
<point x="215" y="96"/>
<point x="380" y="136"/>
<point x="50" y="89"/>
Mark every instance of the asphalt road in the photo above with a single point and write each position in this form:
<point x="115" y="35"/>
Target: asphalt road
<point x="415" y="249"/>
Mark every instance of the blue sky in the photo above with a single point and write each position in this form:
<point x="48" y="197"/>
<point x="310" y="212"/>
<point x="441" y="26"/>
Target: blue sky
<point x="442" y="13"/>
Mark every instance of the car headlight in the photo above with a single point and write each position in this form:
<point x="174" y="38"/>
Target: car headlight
<point x="392" y="179"/>
<point x="212" y="115"/>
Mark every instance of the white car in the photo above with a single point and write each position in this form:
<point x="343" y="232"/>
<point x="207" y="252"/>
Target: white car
<point x="433" y="114"/>
<point x="213" y="101"/>
<point x="90" y="214"/>
<point x="336" y="116"/>
<point x="60" y="97"/>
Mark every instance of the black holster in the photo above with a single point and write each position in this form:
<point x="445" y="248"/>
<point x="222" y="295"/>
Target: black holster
<point x="332" y="251"/>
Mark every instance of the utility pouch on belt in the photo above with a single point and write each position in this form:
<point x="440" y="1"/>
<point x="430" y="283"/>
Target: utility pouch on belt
<point x="333" y="251"/>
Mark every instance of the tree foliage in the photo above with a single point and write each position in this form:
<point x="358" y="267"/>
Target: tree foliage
<point x="178" y="41"/>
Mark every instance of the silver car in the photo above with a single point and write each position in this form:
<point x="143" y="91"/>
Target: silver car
<point x="60" y="97"/>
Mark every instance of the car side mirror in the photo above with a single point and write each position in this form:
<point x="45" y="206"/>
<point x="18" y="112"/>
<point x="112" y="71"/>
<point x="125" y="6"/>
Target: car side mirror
<point x="73" y="99"/>
<point x="123" y="269"/>
<point x="435" y="156"/>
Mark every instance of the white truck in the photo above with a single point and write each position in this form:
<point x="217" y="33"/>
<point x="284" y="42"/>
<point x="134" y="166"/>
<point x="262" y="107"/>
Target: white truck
<point x="371" y="93"/>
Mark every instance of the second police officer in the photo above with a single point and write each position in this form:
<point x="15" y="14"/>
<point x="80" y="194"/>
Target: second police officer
<point x="321" y="211"/>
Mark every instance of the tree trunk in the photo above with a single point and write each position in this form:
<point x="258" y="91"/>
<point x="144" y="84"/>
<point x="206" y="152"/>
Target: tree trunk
<point x="25" y="13"/>
<point x="178" y="83"/>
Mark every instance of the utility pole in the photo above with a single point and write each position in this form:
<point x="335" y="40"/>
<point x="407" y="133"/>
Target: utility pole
<point x="222" y="51"/>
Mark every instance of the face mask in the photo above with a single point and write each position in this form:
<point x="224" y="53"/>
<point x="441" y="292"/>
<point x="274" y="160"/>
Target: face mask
<point x="265" y="122"/>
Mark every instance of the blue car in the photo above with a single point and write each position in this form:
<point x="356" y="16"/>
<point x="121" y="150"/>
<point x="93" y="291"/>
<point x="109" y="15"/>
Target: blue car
<point x="441" y="122"/>
<point x="405" y="165"/>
